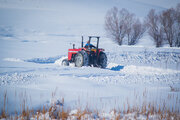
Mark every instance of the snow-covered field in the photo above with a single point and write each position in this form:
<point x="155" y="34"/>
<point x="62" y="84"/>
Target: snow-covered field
<point x="36" y="35"/>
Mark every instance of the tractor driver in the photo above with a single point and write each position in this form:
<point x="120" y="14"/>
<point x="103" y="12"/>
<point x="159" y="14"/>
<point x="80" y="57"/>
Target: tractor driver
<point x="88" y="44"/>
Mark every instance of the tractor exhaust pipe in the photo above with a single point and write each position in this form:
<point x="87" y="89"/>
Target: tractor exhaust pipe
<point x="82" y="42"/>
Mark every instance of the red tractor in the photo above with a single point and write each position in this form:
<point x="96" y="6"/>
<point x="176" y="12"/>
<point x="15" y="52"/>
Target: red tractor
<point x="87" y="55"/>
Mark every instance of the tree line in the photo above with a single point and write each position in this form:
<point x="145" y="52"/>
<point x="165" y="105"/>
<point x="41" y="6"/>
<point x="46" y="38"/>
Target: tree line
<point x="125" y="28"/>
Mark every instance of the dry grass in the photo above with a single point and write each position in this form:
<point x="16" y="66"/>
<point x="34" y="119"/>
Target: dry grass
<point x="4" y="111"/>
<point x="57" y="111"/>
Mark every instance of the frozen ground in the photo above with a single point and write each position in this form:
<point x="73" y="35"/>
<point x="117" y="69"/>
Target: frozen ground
<point x="30" y="70"/>
<point x="32" y="46"/>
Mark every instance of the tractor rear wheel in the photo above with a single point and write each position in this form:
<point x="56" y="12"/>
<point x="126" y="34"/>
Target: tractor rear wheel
<point x="102" y="60"/>
<point x="65" y="62"/>
<point x="81" y="59"/>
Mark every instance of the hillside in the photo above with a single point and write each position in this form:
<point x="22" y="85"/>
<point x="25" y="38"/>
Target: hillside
<point x="35" y="36"/>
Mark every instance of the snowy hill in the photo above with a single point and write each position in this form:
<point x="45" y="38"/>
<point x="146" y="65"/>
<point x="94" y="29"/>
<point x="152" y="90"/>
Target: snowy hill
<point x="36" y="34"/>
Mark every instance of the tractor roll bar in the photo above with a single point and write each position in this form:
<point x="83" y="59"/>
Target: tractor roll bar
<point x="90" y="40"/>
<point x="93" y="37"/>
<point x="82" y="42"/>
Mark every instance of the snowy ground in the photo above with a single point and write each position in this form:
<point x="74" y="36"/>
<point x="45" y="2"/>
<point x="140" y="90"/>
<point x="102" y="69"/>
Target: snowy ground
<point x="30" y="64"/>
<point x="131" y="71"/>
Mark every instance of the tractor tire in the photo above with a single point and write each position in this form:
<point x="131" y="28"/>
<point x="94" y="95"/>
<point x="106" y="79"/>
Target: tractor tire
<point x="65" y="62"/>
<point x="102" y="60"/>
<point x="81" y="59"/>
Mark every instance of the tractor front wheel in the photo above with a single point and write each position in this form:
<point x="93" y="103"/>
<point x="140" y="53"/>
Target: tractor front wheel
<point x="81" y="59"/>
<point x="65" y="62"/>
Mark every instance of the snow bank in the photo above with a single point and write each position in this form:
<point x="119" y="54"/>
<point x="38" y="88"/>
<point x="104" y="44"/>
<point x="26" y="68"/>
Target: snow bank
<point x="13" y="60"/>
<point x="131" y="74"/>
<point x="59" y="61"/>
<point x="44" y="60"/>
<point x="145" y="57"/>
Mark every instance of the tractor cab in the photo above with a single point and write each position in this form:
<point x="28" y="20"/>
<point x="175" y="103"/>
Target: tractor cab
<point x="93" y="42"/>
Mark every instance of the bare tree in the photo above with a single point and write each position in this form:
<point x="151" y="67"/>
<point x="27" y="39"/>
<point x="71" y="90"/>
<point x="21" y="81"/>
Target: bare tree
<point x="115" y="24"/>
<point x="122" y="24"/>
<point x="154" y="29"/>
<point x="167" y="20"/>
<point x="177" y="24"/>
<point x="128" y="26"/>
<point x="137" y="31"/>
